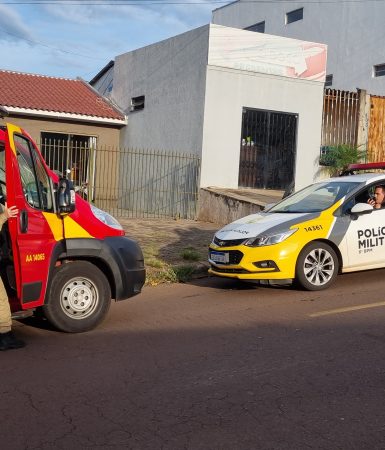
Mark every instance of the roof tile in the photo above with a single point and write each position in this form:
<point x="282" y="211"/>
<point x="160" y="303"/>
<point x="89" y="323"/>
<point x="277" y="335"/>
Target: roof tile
<point x="61" y="95"/>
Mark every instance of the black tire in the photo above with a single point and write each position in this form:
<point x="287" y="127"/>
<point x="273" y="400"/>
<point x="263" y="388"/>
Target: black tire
<point x="78" y="298"/>
<point x="317" y="266"/>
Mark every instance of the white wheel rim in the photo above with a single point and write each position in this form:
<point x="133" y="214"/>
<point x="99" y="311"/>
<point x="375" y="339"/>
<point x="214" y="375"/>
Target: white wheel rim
<point x="79" y="298"/>
<point x="318" y="267"/>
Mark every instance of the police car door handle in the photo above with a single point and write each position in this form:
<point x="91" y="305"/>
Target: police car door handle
<point x="23" y="221"/>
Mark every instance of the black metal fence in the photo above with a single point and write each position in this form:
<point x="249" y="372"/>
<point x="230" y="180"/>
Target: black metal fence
<point x="130" y="183"/>
<point x="268" y="149"/>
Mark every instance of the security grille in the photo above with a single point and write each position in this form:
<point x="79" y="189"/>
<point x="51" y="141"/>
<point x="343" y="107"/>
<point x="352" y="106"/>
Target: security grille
<point x="127" y="182"/>
<point x="268" y="149"/>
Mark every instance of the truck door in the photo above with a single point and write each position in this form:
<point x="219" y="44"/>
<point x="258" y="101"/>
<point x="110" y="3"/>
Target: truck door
<point x="36" y="232"/>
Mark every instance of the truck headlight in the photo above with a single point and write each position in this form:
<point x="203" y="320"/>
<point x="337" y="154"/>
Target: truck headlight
<point x="259" y="241"/>
<point x="106" y="218"/>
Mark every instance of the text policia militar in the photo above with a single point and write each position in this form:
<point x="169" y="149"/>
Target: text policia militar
<point x="371" y="237"/>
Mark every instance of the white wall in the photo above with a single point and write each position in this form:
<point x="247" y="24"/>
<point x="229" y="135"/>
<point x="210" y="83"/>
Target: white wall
<point x="227" y="92"/>
<point x="192" y="106"/>
<point x="353" y="31"/>
<point x="171" y="76"/>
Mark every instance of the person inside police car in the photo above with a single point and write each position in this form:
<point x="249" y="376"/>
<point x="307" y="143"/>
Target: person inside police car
<point x="7" y="339"/>
<point x="378" y="201"/>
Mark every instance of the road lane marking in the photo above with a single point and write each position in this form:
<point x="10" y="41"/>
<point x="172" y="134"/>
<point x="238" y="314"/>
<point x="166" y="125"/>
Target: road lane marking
<point x="347" y="309"/>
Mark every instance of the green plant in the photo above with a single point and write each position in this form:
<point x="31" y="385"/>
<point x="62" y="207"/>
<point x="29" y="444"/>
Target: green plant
<point x="165" y="274"/>
<point x="170" y="274"/>
<point x="154" y="262"/>
<point x="183" y="273"/>
<point x="190" y="254"/>
<point x="337" y="157"/>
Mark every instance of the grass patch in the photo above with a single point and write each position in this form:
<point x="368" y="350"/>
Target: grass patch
<point x="184" y="273"/>
<point x="150" y="250"/>
<point x="169" y="267"/>
<point x="169" y="274"/>
<point x="190" y="254"/>
<point x="152" y="261"/>
<point x="151" y="257"/>
<point x="165" y="275"/>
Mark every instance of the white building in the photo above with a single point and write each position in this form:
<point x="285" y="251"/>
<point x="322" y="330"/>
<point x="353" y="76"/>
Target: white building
<point x="226" y="95"/>
<point x="353" y="32"/>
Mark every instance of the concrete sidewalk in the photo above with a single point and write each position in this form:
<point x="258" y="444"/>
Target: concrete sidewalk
<point x="226" y="205"/>
<point x="260" y="197"/>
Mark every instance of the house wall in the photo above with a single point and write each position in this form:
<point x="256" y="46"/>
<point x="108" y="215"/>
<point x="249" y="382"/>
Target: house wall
<point x="171" y="76"/>
<point x="223" y="120"/>
<point x="106" y="135"/>
<point x="195" y="89"/>
<point x="107" y="143"/>
<point x="352" y="31"/>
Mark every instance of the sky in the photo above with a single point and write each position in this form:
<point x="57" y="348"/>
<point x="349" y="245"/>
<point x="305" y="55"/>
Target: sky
<point x="77" y="38"/>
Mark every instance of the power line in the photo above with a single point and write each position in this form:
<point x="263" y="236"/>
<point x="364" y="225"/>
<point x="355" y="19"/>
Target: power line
<point x="113" y="2"/>
<point x="165" y="2"/>
<point x="70" y="2"/>
<point x="30" y="41"/>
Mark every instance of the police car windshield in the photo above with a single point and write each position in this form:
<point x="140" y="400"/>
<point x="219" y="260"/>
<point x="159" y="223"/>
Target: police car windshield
<point x="315" y="198"/>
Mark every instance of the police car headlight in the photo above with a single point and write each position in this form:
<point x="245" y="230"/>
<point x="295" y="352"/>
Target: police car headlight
<point x="106" y="218"/>
<point x="259" y="241"/>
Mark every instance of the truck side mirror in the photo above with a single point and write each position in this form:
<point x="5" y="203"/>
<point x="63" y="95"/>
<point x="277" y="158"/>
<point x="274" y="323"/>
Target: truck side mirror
<point x="65" y="196"/>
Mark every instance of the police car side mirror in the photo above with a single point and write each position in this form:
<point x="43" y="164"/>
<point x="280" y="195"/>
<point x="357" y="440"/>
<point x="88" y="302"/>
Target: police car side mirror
<point x="65" y="196"/>
<point x="361" y="208"/>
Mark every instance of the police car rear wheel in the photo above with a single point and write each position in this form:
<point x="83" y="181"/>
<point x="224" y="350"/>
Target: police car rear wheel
<point x="317" y="266"/>
<point x="79" y="297"/>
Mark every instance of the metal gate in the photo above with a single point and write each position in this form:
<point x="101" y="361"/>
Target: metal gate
<point x="376" y="135"/>
<point x="340" y="118"/>
<point x="129" y="182"/>
<point x="268" y="149"/>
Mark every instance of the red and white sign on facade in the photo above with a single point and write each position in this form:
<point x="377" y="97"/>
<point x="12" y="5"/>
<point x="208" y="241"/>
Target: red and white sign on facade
<point x="264" y="53"/>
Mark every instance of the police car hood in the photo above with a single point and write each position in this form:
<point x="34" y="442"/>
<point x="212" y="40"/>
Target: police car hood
<point x="262" y="224"/>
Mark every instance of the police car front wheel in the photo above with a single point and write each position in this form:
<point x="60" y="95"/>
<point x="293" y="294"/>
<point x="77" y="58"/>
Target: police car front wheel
<point x="317" y="266"/>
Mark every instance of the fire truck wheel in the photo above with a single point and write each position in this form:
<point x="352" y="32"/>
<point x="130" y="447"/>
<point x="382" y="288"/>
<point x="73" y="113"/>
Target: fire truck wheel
<point x="79" y="297"/>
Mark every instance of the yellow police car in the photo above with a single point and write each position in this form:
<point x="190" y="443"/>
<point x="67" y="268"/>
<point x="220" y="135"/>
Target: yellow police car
<point x="325" y="229"/>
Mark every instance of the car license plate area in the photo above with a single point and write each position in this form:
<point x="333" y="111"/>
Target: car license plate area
<point x="219" y="257"/>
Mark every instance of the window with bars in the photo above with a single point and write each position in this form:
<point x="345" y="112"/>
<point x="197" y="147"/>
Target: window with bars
<point x="69" y="154"/>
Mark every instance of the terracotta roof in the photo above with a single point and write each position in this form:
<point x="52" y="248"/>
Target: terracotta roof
<point x="59" y="95"/>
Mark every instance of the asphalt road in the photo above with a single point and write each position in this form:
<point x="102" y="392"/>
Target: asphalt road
<point x="209" y="365"/>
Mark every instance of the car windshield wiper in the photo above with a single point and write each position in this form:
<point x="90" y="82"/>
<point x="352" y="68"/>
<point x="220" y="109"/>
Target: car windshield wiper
<point x="281" y="211"/>
<point x="295" y="212"/>
<point x="286" y="212"/>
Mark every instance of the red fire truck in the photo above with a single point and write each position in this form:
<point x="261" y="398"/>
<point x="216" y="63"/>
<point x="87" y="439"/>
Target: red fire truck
<point x="61" y="256"/>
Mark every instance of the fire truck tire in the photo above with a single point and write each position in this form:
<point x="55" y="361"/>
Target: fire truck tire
<point x="79" y="297"/>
